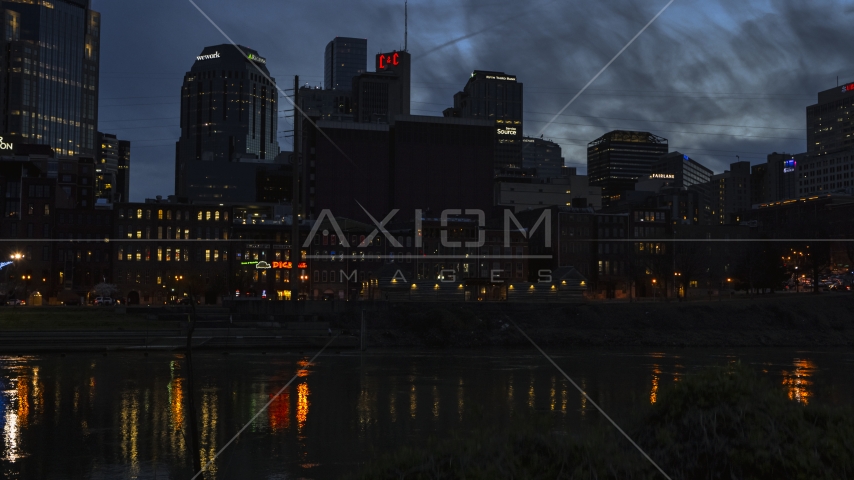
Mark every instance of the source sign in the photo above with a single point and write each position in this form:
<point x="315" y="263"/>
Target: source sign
<point x="507" y="131"/>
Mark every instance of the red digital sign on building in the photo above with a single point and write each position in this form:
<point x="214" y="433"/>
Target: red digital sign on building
<point x="848" y="88"/>
<point x="386" y="60"/>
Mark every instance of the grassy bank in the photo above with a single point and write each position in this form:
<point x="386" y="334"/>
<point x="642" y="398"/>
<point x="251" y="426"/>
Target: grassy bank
<point x="770" y="320"/>
<point x="36" y="319"/>
<point x="721" y="424"/>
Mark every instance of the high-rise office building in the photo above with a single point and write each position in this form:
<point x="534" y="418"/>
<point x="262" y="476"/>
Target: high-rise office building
<point x="544" y="156"/>
<point x="686" y="172"/>
<point x="833" y="172"/>
<point x="228" y="122"/>
<point x="829" y="122"/>
<point x="107" y="167"/>
<point x="49" y="78"/>
<point x="345" y="58"/>
<point x="616" y="160"/>
<point x="123" y="175"/>
<point x="730" y="194"/>
<point x="378" y="97"/>
<point x="496" y="97"/>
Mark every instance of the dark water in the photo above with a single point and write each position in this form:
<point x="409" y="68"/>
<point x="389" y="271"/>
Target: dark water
<point x="125" y="415"/>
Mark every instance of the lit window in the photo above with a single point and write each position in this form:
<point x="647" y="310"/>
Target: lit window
<point x="139" y="213"/>
<point x="216" y="215"/>
<point x="207" y="215"/>
<point x="207" y="255"/>
<point x="160" y="217"/>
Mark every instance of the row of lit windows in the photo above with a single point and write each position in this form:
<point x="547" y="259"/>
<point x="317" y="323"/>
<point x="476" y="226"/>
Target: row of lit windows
<point x="207" y="215"/>
<point x="180" y="233"/>
<point x="169" y="254"/>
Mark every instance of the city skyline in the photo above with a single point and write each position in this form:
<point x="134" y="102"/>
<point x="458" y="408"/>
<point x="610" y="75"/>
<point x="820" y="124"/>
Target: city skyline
<point x="695" y="67"/>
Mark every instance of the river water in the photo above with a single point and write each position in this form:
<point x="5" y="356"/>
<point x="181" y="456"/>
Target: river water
<point x="125" y="415"/>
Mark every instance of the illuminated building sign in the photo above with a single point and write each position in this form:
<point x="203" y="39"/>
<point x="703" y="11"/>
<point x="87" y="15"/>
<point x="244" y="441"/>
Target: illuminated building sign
<point x="4" y="265"/>
<point x="685" y="157"/>
<point x="507" y="131"/>
<point x="848" y="88"/>
<point x="302" y="265"/>
<point x="5" y="146"/>
<point x="208" y="57"/>
<point x="385" y="60"/>
<point x="262" y="266"/>
<point x="249" y="263"/>
<point x="494" y="77"/>
<point x="789" y="165"/>
<point x="282" y="265"/>
<point x="257" y="59"/>
<point x="528" y="140"/>
<point x="666" y="176"/>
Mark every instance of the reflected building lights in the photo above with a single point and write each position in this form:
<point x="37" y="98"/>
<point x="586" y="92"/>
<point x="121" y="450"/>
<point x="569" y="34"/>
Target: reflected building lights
<point x="552" y="395"/>
<point x="129" y="428"/>
<point x="583" y="398"/>
<point x="653" y="394"/>
<point x="302" y="405"/>
<point x="531" y="395"/>
<point x="797" y="382"/>
<point x="435" y="401"/>
<point x="279" y="412"/>
<point x="207" y="437"/>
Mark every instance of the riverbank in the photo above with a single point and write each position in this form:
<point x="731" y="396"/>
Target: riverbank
<point x="770" y="320"/>
<point x="777" y="320"/>
<point x="726" y="420"/>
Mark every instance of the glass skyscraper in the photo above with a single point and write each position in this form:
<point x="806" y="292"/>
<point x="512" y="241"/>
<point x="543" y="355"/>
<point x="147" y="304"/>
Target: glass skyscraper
<point x="616" y="160"/>
<point x="49" y="74"/>
<point x="229" y="118"/>
<point x="345" y="58"/>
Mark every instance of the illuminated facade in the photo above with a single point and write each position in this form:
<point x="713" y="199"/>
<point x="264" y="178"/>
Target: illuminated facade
<point x="112" y="168"/>
<point x="49" y="83"/>
<point x="497" y="98"/>
<point x="683" y="170"/>
<point x="618" y="159"/>
<point x="832" y="172"/>
<point x="829" y="122"/>
<point x="544" y="155"/>
<point x="229" y="118"/>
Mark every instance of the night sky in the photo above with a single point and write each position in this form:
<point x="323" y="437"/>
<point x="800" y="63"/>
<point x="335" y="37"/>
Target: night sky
<point x="718" y="79"/>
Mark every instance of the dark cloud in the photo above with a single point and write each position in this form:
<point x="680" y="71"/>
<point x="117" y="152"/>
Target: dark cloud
<point x="703" y="75"/>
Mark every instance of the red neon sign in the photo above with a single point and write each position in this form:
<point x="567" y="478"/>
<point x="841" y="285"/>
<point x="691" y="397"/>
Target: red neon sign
<point x="302" y="265"/>
<point x="386" y="60"/>
<point x="848" y="88"/>
<point x="283" y="265"/>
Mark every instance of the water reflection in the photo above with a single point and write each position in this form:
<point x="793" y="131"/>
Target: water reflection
<point x="279" y="412"/>
<point x="797" y="381"/>
<point x="132" y="414"/>
<point x="653" y="394"/>
<point x="302" y="405"/>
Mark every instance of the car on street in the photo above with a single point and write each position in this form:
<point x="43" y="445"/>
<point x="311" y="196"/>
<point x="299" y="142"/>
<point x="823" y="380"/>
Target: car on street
<point x="104" y="302"/>
<point x="15" y="302"/>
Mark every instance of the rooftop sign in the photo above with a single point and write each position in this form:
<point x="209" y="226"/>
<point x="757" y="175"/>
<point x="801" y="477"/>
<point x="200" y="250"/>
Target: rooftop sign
<point x="666" y="176"/>
<point x="208" y="57"/>
<point x="257" y="59"/>
<point x="496" y="77"/>
<point x="6" y="146"/>
<point x="385" y="60"/>
<point x="848" y="88"/>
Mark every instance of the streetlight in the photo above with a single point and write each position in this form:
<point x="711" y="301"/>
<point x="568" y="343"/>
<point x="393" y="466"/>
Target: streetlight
<point x="653" y="289"/>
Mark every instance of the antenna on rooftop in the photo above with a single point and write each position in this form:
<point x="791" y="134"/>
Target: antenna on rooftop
<point x="406" y="26"/>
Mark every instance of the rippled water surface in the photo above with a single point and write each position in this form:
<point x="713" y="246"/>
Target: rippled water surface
<point x="126" y="415"/>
